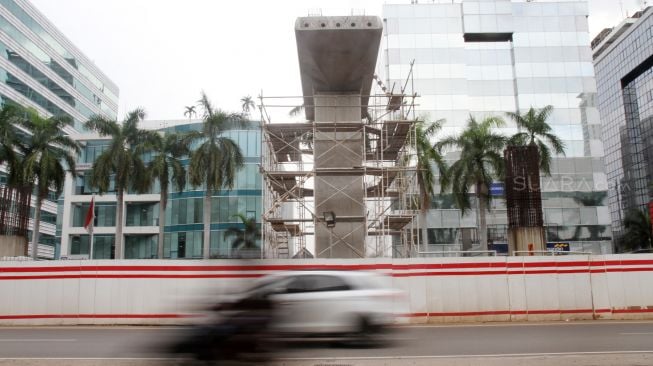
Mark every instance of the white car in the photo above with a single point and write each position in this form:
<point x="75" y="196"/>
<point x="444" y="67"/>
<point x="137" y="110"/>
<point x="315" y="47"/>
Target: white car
<point x="328" y="303"/>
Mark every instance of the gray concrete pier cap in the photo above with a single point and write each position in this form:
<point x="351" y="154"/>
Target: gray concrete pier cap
<point x="337" y="59"/>
<point x="337" y="54"/>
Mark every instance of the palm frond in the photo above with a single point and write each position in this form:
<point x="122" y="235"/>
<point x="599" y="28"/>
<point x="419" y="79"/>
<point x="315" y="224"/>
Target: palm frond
<point x="545" y="158"/>
<point x="295" y="111"/>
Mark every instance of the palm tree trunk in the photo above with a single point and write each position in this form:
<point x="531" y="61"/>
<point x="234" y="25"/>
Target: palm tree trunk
<point x="37" y="226"/>
<point x="481" y="194"/>
<point x="425" y="236"/>
<point x="162" y="212"/>
<point x="206" y="244"/>
<point x="119" y="254"/>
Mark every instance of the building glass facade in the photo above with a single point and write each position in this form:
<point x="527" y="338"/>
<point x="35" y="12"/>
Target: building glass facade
<point x="624" y="72"/>
<point x="485" y="58"/>
<point x="41" y="69"/>
<point x="183" y="231"/>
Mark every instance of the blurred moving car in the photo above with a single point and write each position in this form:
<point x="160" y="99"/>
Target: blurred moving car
<point x="329" y="303"/>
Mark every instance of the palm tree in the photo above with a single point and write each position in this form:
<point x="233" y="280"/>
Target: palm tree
<point x="480" y="162"/>
<point x="44" y="152"/>
<point x="245" y="237"/>
<point x="10" y="116"/>
<point x="166" y="164"/>
<point x="638" y="233"/>
<point x="16" y="194"/>
<point x="122" y="161"/>
<point x="215" y="162"/>
<point x="247" y="103"/>
<point x="533" y="130"/>
<point x="426" y="155"/>
<point x="190" y="111"/>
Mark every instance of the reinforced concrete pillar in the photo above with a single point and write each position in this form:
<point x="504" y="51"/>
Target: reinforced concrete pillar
<point x="338" y="150"/>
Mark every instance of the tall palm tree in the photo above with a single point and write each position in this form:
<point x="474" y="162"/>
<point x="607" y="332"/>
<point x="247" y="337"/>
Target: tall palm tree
<point x="44" y="152"/>
<point x="245" y="237"/>
<point x="426" y="156"/>
<point x="10" y="116"/>
<point x="247" y="103"/>
<point x="16" y="194"/>
<point x="165" y="167"/>
<point x="190" y="111"/>
<point x="534" y="130"/>
<point x="480" y="162"/>
<point x="122" y="161"/>
<point x="215" y="162"/>
<point x="638" y="233"/>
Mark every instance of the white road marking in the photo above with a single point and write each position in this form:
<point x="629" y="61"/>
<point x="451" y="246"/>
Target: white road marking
<point x="356" y="358"/>
<point x="470" y="356"/>
<point x="38" y="340"/>
<point x="524" y="324"/>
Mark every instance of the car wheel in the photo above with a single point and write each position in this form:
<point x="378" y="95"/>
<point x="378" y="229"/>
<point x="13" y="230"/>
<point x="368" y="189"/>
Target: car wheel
<point x="367" y="334"/>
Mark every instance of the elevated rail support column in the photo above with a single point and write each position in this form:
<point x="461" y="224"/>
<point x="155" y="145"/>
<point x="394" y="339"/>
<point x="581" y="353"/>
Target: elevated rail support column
<point x="339" y="186"/>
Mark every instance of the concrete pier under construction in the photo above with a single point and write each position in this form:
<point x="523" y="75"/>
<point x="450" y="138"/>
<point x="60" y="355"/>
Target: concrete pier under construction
<point x="352" y="157"/>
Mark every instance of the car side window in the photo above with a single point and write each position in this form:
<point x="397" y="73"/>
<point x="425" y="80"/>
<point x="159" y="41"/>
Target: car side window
<point x="298" y="284"/>
<point x="316" y="283"/>
<point x="329" y="283"/>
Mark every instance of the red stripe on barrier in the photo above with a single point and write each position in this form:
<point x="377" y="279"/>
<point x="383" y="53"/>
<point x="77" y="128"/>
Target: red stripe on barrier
<point x="256" y="275"/>
<point x="293" y="267"/>
<point x="631" y="311"/>
<point x="640" y="269"/>
<point x="87" y="276"/>
<point x="501" y="312"/>
<point x="471" y="313"/>
<point x="447" y="273"/>
<point x="629" y="262"/>
<point x="410" y="315"/>
<point x="93" y="316"/>
<point x="357" y="267"/>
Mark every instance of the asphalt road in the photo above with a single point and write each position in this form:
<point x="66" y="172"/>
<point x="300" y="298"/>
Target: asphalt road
<point x="482" y="340"/>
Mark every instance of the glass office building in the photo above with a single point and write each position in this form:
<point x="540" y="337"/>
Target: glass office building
<point x="483" y="58"/>
<point x="623" y="59"/>
<point x="40" y="68"/>
<point x="183" y="217"/>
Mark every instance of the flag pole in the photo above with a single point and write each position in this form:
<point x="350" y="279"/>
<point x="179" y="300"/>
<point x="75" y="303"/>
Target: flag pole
<point x="90" y="226"/>
<point x="90" y="255"/>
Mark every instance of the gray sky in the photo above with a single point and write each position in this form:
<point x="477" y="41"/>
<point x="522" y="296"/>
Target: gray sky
<point x="162" y="53"/>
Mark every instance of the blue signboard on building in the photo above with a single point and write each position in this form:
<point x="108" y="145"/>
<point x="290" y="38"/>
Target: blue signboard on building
<point x="557" y="246"/>
<point x="497" y="189"/>
<point x="500" y="247"/>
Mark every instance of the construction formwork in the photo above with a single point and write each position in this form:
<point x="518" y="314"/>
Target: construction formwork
<point x="371" y="168"/>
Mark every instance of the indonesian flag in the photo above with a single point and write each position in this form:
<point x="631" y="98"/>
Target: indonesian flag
<point x="90" y="215"/>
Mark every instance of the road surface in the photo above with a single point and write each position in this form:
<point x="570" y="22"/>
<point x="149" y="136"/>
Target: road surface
<point x="627" y="342"/>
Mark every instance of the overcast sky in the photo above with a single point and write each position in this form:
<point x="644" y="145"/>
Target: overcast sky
<point x="162" y="53"/>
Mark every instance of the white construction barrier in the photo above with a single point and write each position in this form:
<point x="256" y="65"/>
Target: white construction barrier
<point x="437" y="289"/>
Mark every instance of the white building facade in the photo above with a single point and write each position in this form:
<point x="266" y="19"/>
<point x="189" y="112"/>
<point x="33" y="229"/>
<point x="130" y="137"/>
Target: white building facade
<point x="482" y="58"/>
<point x="41" y="69"/>
<point x="183" y="232"/>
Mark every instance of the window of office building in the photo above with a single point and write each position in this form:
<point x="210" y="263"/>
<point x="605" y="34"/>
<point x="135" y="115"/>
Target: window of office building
<point x="142" y="214"/>
<point x="105" y="214"/>
<point x="183" y="244"/>
<point x="103" y="245"/>
<point x="141" y="246"/>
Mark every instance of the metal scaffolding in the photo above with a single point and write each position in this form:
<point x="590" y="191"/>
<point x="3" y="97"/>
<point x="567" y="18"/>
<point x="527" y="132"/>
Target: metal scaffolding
<point x="387" y="173"/>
